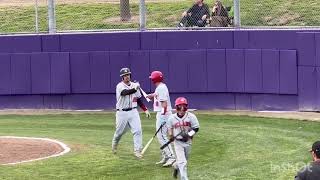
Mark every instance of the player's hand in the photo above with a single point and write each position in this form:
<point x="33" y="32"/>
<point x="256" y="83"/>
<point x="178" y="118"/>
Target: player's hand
<point x="184" y="13"/>
<point x="204" y="17"/>
<point x="150" y="96"/>
<point x="148" y="115"/>
<point x="137" y="86"/>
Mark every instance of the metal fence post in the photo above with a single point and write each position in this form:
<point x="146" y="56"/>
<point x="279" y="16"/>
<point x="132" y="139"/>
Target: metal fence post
<point x="51" y="17"/>
<point x="37" y="16"/>
<point x="142" y="17"/>
<point x="237" y="22"/>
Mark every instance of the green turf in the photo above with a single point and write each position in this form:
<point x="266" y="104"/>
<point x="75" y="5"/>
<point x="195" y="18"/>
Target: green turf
<point x="159" y="15"/>
<point x="227" y="147"/>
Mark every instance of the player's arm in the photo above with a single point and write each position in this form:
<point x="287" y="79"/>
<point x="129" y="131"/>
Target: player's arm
<point x="194" y="126"/>
<point x="164" y="106"/>
<point x="170" y="134"/>
<point x="126" y="92"/>
<point x="141" y="104"/>
<point x="170" y="129"/>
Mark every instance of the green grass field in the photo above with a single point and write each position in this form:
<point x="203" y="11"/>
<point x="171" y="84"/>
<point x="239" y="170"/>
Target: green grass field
<point x="159" y="15"/>
<point x="227" y="147"/>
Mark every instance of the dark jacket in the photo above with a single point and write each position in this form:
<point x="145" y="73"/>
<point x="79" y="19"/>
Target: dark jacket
<point x="198" y="11"/>
<point x="310" y="172"/>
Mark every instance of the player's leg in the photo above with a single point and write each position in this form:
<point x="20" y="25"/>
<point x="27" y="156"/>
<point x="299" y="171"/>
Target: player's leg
<point x="135" y="124"/>
<point x="168" y="157"/>
<point x="181" y="162"/>
<point x="121" y="126"/>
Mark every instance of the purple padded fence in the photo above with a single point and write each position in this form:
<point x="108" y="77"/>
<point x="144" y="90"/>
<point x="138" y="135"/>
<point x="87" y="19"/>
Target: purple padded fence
<point x="272" y="39"/>
<point x="20" y="74"/>
<point x="50" y="43"/>
<point x="243" y="102"/>
<point x="253" y="71"/>
<point x="270" y="71"/>
<point x="118" y="60"/>
<point x="100" y="72"/>
<point x="247" y="69"/>
<point x="5" y="74"/>
<point x="241" y="39"/>
<point x="217" y="70"/>
<point x="317" y="48"/>
<point x="307" y="88"/>
<point x="197" y="71"/>
<point x="80" y="72"/>
<point x="159" y="61"/>
<point x="288" y="72"/>
<point x="274" y="102"/>
<point x="140" y="63"/>
<point x="20" y="44"/>
<point x="53" y="102"/>
<point x="60" y="73"/>
<point x="100" y="42"/>
<point x="178" y="70"/>
<point x="40" y="73"/>
<point x="235" y="70"/>
<point x="306" y="49"/>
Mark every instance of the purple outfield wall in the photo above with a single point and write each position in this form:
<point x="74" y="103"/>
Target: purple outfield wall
<point x="247" y="70"/>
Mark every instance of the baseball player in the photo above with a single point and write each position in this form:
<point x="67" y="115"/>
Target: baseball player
<point x="162" y="105"/>
<point x="182" y="127"/>
<point x="127" y="116"/>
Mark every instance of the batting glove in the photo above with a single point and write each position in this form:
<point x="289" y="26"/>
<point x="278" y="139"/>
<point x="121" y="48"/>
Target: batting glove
<point x="148" y="115"/>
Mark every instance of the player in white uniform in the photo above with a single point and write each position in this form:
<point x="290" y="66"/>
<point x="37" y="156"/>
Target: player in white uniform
<point x="127" y="116"/>
<point x="182" y="127"/>
<point x="162" y="106"/>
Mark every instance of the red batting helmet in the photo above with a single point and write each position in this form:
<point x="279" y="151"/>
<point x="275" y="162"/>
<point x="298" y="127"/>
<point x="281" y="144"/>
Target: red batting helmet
<point x="156" y="76"/>
<point x="180" y="101"/>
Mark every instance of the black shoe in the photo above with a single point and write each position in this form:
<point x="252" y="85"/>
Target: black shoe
<point x="175" y="173"/>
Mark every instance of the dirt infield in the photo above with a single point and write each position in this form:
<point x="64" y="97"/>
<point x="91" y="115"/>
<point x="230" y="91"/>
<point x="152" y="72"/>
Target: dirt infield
<point x="16" y="150"/>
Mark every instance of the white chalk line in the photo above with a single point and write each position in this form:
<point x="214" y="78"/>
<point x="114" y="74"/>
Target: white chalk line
<point x="65" y="148"/>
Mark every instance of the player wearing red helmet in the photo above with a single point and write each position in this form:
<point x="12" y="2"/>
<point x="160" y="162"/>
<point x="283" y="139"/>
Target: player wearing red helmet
<point x="182" y="127"/>
<point x="162" y="106"/>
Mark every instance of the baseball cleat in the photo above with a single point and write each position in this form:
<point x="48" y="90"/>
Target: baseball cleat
<point x="138" y="154"/>
<point x="175" y="173"/>
<point x="169" y="162"/>
<point x="114" y="148"/>
<point x="162" y="161"/>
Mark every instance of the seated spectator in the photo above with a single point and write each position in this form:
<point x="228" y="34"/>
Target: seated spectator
<point x="197" y="15"/>
<point x="312" y="171"/>
<point x="219" y="15"/>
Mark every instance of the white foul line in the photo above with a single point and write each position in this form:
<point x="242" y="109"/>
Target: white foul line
<point x="65" y="148"/>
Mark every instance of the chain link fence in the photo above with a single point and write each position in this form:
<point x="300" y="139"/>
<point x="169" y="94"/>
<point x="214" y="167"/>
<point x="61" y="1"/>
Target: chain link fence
<point x="23" y="16"/>
<point x="31" y="16"/>
<point x="96" y="14"/>
<point x="284" y="13"/>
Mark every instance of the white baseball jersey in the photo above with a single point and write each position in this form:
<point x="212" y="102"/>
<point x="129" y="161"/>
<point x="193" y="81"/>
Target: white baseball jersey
<point x="129" y="101"/>
<point x="161" y="94"/>
<point x="186" y="123"/>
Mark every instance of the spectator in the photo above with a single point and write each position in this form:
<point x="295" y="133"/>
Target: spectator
<point x="219" y="15"/>
<point x="197" y="15"/>
<point x="312" y="171"/>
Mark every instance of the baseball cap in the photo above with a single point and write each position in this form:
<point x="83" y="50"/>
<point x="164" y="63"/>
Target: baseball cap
<point x="316" y="147"/>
